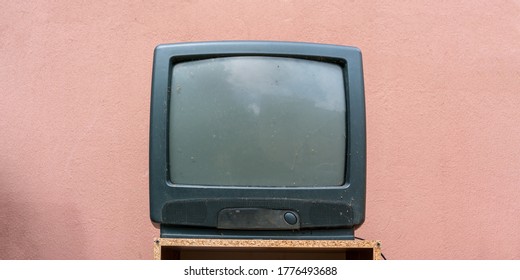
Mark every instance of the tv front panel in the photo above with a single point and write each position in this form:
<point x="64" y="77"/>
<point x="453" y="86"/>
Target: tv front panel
<point x="257" y="139"/>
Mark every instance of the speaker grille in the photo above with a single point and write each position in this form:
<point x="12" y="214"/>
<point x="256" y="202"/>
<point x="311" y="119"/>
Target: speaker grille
<point x="333" y="215"/>
<point x="185" y="213"/>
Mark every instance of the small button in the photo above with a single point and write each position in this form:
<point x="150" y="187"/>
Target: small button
<point x="290" y="218"/>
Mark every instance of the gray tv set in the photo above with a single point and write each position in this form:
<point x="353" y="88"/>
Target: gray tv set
<point x="257" y="139"/>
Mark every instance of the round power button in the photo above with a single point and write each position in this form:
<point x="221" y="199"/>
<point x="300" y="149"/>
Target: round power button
<point x="290" y="218"/>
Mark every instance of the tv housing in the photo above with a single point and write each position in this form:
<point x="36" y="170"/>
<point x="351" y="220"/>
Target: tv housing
<point x="257" y="139"/>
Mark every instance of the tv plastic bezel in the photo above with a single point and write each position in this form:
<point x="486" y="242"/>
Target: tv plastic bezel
<point x="351" y="194"/>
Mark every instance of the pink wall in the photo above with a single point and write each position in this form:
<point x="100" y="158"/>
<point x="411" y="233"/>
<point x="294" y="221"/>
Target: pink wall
<point x="443" y="109"/>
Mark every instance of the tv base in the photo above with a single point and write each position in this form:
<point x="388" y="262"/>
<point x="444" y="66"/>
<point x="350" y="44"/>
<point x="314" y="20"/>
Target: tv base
<point x="319" y="234"/>
<point x="254" y="249"/>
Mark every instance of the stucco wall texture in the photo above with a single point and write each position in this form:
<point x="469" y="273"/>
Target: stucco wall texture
<point x="442" y="83"/>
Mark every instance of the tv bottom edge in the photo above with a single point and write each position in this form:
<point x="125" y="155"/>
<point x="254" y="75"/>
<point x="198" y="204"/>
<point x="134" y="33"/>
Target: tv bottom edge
<point x="168" y="231"/>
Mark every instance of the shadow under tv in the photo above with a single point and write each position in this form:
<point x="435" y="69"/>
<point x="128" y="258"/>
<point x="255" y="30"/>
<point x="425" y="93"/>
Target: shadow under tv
<point x="190" y="232"/>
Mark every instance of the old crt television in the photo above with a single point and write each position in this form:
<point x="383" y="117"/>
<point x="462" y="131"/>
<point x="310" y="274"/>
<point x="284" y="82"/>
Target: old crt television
<point x="256" y="139"/>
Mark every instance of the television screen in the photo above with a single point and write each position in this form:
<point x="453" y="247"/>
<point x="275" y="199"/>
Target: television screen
<point x="257" y="121"/>
<point x="256" y="139"/>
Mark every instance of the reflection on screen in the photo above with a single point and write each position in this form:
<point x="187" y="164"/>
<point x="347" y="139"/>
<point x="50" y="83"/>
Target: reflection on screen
<point x="257" y="121"/>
